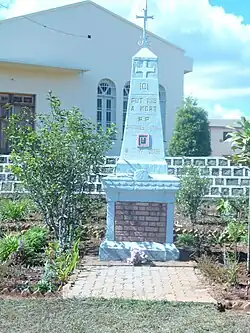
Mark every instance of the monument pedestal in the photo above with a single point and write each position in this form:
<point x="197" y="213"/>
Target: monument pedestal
<point x="140" y="214"/>
<point x="121" y="251"/>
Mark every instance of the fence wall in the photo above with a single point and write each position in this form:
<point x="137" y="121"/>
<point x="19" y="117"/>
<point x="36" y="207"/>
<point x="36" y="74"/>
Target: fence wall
<point x="226" y="178"/>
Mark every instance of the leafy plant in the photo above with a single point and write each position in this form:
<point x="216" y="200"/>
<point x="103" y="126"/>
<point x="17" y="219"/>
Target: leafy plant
<point x="8" y="245"/>
<point x="62" y="263"/>
<point x="35" y="238"/>
<point x="232" y="266"/>
<point x="233" y="208"/>
<point x="212" y="269"/>
<point x="187" y="239"/>
<point x="48" y="281"/>
<point x="193" y="189"/>
<point x="14" y="210"/>
<point x="235" y="231"/>
<point x="55" y="161"/>
<point x="191" y="134"/>
<point x="240" y="140"/>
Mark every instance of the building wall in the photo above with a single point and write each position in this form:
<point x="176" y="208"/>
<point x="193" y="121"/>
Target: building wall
<point x="108" y="54"/>
<point x="218" y="145"/>
<point x="67" y="85"/>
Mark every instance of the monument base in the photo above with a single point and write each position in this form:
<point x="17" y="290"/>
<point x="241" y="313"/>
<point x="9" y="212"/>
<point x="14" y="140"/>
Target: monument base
<point x="120" y="251"/>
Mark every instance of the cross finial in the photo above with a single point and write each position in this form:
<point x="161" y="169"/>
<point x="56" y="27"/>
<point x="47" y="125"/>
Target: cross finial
<point x="145" y="17"/>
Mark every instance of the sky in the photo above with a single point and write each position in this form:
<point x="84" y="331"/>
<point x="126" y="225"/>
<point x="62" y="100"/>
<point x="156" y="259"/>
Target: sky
<point x="215" y="33"/>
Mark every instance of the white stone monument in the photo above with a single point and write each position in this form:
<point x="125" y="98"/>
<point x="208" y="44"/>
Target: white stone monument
<point x="141" y="194"/>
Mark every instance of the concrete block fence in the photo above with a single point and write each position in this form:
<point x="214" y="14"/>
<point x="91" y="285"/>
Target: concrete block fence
<point x="226" y="178"/>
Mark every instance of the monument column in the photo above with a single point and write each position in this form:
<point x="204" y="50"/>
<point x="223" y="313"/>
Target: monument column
<point x="140" y="193"/>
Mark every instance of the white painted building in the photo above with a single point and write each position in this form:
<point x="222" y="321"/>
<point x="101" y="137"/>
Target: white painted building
<point x="218" y="131"/>
<point x="50" y="50"/>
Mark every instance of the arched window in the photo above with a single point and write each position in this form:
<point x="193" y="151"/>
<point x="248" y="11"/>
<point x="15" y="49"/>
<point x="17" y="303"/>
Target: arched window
<point x="106" y="104"/>
<point x="162" y="97"/>
<point x="125" y="103"/>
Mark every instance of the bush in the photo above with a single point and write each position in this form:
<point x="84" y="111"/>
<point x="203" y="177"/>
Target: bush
<point x="32" y="243"/>
<point x="54" y="162"/>
<point x="35" y="239"/>
<point x="58" y="267"/>
<point x="187" y="239"/>
<point x="8" y="245"/>
<point x="14" y="210"/>
<point x="212" y="269"/>
<point x="193" y="189"/>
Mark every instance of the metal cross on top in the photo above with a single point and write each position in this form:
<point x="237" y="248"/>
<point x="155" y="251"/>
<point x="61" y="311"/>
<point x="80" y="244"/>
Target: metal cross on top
<point x="145" y="17"/>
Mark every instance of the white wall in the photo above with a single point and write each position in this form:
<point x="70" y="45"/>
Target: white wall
<point x="219" y="147"/>
<point x="107" y="55"/>
<point x="20" y="79"/>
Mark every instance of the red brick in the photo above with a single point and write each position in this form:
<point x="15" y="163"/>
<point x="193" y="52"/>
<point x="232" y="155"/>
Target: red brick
<point x="139" y="234"/>
<point x="152" y="218"/>
<point x="142" y="213"/>
<point x="155" y="204"/>
<point x="151" y="229"/>
<point x="154" y="209"/>
<point x="119" y="228"/>
<point x="128" y="228"/>
<point x="133" y="223"/>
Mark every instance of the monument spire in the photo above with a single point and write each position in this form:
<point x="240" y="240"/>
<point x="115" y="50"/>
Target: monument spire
<point x="145" y="17"/>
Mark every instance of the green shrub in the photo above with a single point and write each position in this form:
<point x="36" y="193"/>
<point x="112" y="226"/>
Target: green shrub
<point x="35" y="239"/>
<point x="15" y="210"/>
<point x="58" y="156"/>
<point x="191" y="194"/>
<point x="8" y="245"/>
<point x="187" y="239"/>
<point x="63" y="263"/>
<point x="212" y="269"/>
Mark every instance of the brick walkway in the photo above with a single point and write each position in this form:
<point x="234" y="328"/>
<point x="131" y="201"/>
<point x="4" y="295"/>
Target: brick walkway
<point x="174" y="281"/>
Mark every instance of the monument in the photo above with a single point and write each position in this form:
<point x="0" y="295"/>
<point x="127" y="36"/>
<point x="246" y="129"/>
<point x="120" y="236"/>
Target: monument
<point x="140" y="193"/>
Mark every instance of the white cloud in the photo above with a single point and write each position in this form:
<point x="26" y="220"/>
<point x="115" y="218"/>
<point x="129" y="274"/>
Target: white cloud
<point x="218" y="111"/>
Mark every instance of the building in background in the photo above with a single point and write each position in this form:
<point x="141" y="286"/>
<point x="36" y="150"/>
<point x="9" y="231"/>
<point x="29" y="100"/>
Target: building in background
<point x="52" y="50"/>
<point x="219" y="130"/>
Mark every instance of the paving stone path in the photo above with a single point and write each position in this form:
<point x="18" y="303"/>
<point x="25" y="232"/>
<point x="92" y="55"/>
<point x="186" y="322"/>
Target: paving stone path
<point x="172" y="281"/>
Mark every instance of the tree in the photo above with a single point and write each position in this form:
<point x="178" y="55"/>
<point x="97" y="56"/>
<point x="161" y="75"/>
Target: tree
<point x="191" y="193"/>
<point x="240" y="139"/>
<point x="191" y="135"/>
<point x="54" y="163"/>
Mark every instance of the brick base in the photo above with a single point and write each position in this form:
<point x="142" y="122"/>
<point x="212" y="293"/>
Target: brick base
<point x="140" y="221"/>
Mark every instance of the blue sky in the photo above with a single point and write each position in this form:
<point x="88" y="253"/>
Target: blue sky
<point x="215" y="33"/>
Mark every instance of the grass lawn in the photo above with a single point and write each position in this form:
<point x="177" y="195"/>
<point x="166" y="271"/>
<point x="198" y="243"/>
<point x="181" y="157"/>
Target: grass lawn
<point x="104" y="316"/>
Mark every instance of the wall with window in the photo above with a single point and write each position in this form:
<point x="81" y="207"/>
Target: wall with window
<point x="11" y="104"/>
<point x="24" y="86"/>
<point x="218" y="144"/>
